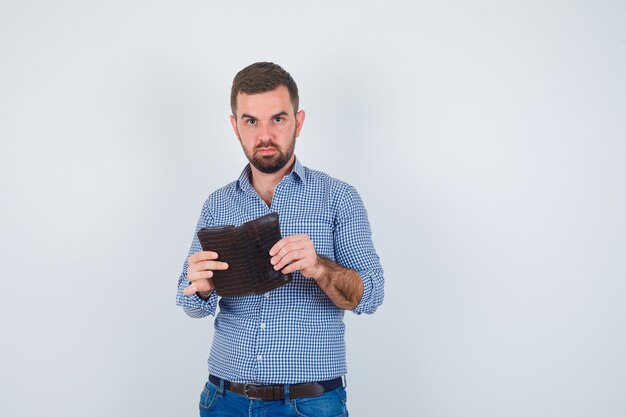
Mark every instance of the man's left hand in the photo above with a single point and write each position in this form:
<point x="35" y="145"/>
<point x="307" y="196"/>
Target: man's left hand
<point x="296" y="253"/>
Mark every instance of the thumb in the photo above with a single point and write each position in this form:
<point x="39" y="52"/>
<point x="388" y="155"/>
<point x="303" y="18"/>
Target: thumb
<point x="190" y="290"/>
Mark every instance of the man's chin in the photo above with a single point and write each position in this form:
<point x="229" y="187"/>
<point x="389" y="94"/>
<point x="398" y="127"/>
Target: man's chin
<point x="267" y="164"/>
<point x="272" y="169"/>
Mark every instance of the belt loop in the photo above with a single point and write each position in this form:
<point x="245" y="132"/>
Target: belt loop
<point x="344" y="381"/>
<point x="220" y="391"/>
<point x="287" y="400"/>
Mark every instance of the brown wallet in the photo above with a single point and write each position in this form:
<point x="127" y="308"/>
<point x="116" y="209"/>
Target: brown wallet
<point x="246" y="249"/>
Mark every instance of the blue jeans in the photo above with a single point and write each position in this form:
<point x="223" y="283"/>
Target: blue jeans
<point x="215" y="402"/>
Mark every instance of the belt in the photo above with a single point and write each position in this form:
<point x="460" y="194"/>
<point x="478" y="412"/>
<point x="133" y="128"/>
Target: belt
<point x="277" y="392"/>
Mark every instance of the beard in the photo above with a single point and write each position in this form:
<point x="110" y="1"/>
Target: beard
<point x="270" y="164"/>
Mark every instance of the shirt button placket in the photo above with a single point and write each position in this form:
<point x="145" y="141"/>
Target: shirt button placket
<point x="278" y="195"/>
<point x="261" y="339"/>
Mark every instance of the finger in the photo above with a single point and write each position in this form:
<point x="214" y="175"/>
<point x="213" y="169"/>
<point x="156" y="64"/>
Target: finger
<point x="278" y="246"/>
<point x="204" y="255"/>
<point x="289" y="247"/>
<point x="291" y="257"/>
<point x="203" y="285"/>
<point x="197" y="275"/>
<point x="211" y="266"/>
<point x="299" y="246"/>
<point x="286" y="240"/>
<point x="294" y="266"/>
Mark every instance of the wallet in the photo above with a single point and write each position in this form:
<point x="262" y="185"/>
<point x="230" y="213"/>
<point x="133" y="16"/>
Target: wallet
<point x="246" y="249"/>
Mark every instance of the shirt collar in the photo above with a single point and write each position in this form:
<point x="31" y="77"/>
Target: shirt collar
<point x="244" y="179"/>
<point x="298" y="170"/>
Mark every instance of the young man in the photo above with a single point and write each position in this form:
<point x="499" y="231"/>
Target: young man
<point x="282" y="353"/>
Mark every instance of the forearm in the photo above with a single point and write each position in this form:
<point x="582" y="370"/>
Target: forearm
<point x="193" y="304"/>
<point x="343" y="286"/>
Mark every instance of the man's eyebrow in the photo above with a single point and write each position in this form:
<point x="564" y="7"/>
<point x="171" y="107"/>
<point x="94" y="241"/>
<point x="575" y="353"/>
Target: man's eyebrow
<point x="281" y="114"/>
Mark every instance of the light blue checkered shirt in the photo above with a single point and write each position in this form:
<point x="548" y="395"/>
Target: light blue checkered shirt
<point x="294" y="333"/>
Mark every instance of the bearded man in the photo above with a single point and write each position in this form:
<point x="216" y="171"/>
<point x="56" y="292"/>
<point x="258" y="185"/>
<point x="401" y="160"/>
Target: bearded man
<point x="282" y="353"/>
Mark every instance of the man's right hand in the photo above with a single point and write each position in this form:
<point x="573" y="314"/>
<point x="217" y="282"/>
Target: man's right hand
<point x="200" y="271"/>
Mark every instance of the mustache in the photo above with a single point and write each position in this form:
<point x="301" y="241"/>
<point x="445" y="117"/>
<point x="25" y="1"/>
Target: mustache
<point x="267" y="144"/>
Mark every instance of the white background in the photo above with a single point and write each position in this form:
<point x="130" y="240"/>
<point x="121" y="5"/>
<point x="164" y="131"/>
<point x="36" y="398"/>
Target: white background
<point x="487" y="139"/>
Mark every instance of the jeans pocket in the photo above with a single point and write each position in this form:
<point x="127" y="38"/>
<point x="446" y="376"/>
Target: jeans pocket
<point x="207" y="397"/>
<point x="329" y="404"/>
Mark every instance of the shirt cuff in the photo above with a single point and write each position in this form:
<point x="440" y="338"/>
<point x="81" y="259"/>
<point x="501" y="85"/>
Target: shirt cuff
<point x="362" y="307"/>
<point x="193" y="304"/>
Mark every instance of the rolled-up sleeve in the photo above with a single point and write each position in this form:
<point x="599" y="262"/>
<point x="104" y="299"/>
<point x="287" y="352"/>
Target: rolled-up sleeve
<point x="354" y="249"/>
<point x="193" y="305"/>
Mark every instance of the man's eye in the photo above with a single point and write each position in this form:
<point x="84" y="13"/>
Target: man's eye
<point x="251" y="122"/>
<point x="278" y="119"/>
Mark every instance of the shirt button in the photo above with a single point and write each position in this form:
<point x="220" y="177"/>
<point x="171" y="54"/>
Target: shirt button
<point x="263" y="326"/>
<point x="259" y="358"/>
<point x="267" y="295"/>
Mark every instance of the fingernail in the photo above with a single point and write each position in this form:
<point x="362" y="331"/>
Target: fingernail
<point x="273" y="261"/>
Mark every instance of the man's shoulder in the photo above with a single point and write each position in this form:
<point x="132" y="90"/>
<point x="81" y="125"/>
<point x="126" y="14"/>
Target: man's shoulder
<point x="228" y="188"/>
<point x="316" y="178"/>
<point x="222" y="193"/>
<point x="338" y="194"/>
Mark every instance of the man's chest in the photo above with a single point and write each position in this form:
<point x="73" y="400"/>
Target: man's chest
<point x="299" y="213"/>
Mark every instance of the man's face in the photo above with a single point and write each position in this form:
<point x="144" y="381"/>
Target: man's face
<point x="267" y="128"/>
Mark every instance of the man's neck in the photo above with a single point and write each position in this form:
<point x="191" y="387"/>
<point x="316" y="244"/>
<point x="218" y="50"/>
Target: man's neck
<point x="265" y="184"/>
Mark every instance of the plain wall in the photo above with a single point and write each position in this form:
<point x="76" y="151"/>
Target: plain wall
<point x="487" y="139"/>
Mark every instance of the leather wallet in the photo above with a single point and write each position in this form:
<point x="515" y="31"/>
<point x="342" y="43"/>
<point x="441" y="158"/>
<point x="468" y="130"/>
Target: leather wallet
<point x="246" y="249"/>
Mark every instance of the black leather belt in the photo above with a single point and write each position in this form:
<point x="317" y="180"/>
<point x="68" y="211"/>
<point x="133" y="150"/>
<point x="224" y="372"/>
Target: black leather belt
<point x="277" y="392"/>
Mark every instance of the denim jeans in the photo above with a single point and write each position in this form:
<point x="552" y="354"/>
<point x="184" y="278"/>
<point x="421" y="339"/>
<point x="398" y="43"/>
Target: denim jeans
<point x="215" y="402"/>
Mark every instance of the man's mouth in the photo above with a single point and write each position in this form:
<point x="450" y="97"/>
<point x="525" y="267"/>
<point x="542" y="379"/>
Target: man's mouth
<point x="266" y="150"/>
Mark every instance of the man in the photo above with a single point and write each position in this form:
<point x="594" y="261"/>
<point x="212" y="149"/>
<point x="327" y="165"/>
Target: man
<point x="282" y="353"/>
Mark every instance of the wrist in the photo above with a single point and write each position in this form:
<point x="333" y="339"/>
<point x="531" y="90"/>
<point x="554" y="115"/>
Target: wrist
<point x="204" y="294"/>
<point x="320" y="269"/>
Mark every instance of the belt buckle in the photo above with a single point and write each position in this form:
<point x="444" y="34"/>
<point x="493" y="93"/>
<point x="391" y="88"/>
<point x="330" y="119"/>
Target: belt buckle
<point x="245" y="391"/>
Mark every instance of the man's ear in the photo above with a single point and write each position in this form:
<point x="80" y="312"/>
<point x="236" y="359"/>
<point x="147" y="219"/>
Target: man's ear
<point x="299" y="121"/>
<point x="233" y="122"/>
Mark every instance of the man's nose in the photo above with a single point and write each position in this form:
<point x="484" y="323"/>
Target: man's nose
<point x="265" y="132"/>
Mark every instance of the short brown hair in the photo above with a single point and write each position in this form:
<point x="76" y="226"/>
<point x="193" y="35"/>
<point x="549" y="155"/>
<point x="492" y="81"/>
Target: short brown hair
<point x="262" y="77"/>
